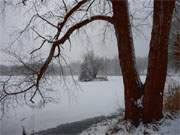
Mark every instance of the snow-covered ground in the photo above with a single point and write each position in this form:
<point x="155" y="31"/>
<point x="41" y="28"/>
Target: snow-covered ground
<point x="93" y="99"/>
<point x="166" y="126"/>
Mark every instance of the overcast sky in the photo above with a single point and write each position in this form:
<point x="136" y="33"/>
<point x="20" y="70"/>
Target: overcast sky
<point x="14" y="18"/>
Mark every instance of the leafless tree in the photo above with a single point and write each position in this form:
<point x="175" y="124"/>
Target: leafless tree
<point x="174" y="47"/>
<point x="64" y="20"/>
<point x="72" y="16"/>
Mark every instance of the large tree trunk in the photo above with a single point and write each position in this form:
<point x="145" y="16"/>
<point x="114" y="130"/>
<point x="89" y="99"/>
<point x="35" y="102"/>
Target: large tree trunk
<point x="132" y="83"/>
<point x="157" y="64"/>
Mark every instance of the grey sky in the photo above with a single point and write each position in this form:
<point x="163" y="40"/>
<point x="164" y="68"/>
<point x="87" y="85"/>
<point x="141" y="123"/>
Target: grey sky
<point x="14" y="18"/>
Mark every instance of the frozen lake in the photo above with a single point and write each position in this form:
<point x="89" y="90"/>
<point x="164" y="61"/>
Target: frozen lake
<point x="93" y="99"/>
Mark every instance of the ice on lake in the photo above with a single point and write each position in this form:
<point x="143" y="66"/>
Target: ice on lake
<point x="91" y="99"/>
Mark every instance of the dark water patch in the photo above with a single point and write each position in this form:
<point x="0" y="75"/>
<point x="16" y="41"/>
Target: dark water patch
<point x="74" y="128"/>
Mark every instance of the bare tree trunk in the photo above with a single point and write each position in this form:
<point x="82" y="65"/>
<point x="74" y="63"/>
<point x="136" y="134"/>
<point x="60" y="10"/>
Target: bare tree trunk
<point x="132" y="83"/>
<point x="157" y="64"/>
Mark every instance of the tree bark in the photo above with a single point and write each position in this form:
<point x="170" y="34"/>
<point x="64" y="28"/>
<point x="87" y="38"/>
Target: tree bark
<point x="132" y="83"/>
<point x="157" y="64"/>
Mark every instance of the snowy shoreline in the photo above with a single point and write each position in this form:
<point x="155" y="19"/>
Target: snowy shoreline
<point x="75" y="128"/>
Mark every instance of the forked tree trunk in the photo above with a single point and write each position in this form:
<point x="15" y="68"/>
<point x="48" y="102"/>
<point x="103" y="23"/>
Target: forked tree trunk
<point x="157" y="64"/>
<point x="132" y="84"/>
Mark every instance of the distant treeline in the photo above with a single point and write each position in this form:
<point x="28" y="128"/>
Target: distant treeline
<point x="111" y="67"/>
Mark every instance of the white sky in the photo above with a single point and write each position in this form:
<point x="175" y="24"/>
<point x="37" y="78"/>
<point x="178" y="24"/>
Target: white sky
<point x="14" y="18"/>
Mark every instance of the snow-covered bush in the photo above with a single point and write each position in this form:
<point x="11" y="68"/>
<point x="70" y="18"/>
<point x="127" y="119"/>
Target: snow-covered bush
<point x="90" y="67"/>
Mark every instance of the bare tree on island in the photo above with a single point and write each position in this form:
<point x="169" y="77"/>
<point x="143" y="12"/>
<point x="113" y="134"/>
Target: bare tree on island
<point x="142" y="101"/>
<point x="90" y="67"/>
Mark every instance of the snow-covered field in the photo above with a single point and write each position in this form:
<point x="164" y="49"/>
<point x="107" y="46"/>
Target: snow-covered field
<point x="93" y="99"/>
